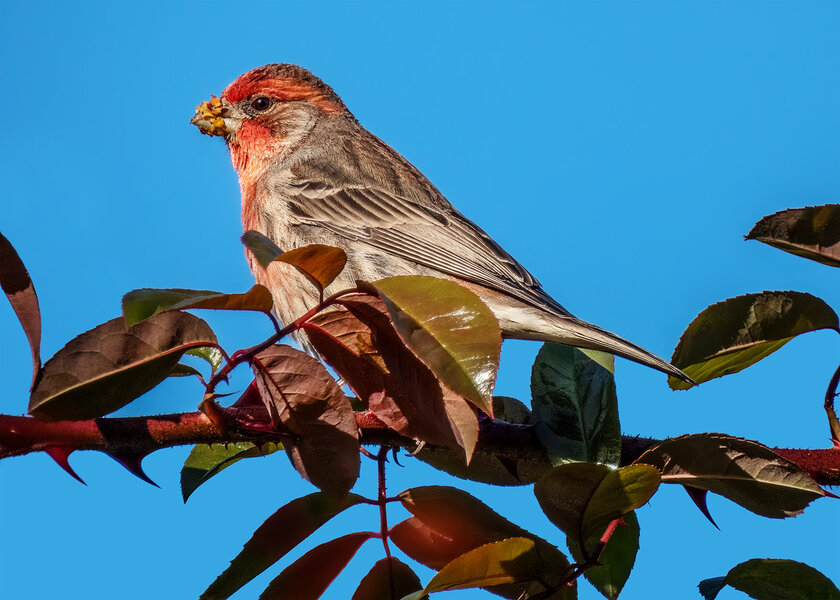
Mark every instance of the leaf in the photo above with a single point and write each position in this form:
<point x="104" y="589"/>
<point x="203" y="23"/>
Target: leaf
<point x="389" y="578"/>
<point x="281" y="532"/>
<point x="19" y="289"/>
<point x="206" y="460"/>
<point x="582" y="498"/>
<point x="107" y="367"/>
<point x="300" y="393"/>
<point x="774" y="579"/>
<point x="449" y="522"/>
<point x="262" y="247"/>
<point x="365" y="350"/>
<point x="320" y="264"/>
<point x="511" y="410"/>
<point x="744" y="471"/>
<point x="450" y="329"/>
<point x="729" y="336"/>
<point x="575" y="406"/>
<point x="145" y="302"/>
<point x="310" y="575"/>
<point x="811" y="232"/>
<point x="211" y="355"/>
<point x="507" y="561"/>
<point x="617" y="559"/>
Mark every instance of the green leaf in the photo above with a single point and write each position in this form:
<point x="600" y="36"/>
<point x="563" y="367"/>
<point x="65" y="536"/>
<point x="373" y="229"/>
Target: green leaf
<point x="262" y="247"/>
<point x="811" y="232"/>
<point x="19" y="289"/>
<point x="107" y="367"/>
<point x="389" y="578"/>
<point x="582" y="498"/>
<point x="729" y="336"/>
<point x="450" y="329"/>
<point x="309" y="576"/>
<point x="511" y="410"/>
<point x="207" y="460"/>
<point x="743" y="471"/>
<point x="575" y="405"/>
<point x="507" y="561"/>
<point x="774" y="579"/>
<point x="449" y="522"/>
<point x="300" y="393"/>
<point x="617" y="559"/>
<point x="145" y="302"/>
<point x="280" y="533"/>
<point x="213" y="356"/>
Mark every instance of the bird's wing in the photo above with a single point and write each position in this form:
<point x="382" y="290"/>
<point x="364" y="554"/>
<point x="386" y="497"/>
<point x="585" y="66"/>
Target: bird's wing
<point x="438" y="237"/>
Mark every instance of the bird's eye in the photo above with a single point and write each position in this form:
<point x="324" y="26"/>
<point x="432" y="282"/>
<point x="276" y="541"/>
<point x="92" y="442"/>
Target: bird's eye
<point x="261" y="103"/>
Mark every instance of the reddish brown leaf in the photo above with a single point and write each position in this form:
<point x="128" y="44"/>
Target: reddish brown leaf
<point x="301" y="394"/>
<point x="281" y="532"/>
<point x="389" y="579"/>
<point x="812" y="232"/>
<point x="310" y="575"/>
<point x="19" y="289"/>
<point x="107" y="367"/>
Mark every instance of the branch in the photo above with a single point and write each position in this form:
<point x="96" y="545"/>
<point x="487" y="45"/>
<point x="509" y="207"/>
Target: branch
<point x="139" y="436"/>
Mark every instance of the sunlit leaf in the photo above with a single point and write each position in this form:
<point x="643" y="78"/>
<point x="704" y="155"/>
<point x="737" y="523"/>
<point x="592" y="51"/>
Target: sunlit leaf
<point x="263" y="248"/>
<point x="575" y="406"/>
<point x="507" y="561"/>
<point x="450" y="329"/>
<point x="320" y="264"/>
<point x="449" y="522"/>
<point x="213" y="356"/>
<point x="301" y="394"/>
<point x="281" y="532"/>
<point x="582" y="498"/>
<point x="744" y="471"/>
<point x="145" y="302"/>
<point x="389" y="578"/>
<point x="107" y="367"/>
<point x="729" y="336"/>
<point x="812" y="232"/>
<point x="774" y="579"/>
<point x="207" y="460"/>
<point x="617" y="559"/>
<point x="310" y="575"/>
<point x="19" y="289"/>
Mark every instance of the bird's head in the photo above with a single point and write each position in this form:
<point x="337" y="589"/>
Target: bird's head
<point x="265" y="112"/>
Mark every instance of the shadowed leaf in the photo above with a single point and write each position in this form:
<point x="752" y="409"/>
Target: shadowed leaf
<point x="729" y="336"/>
<point x="450" y="329"/>
<point x="774" y="579"/>
<point x="281" y="532"/>
<point x="507" y="561"/>
<point x="743" y="471"/>
<point x="145" y="302"/>
<point x="511" y="410"/>
<point x="300" y="393"/>
<point x="310" y="575"/>
<point x="617" y="559"/>
<point x="582" y="498"/>
<point x="811" y="232"/>
<point x="363" y="347"/>
<point x="19" y="289"/>
<point x="263" y="249"/>
<point x="575" y="406"/>
<point x="207" y="460"/>
<point x="107" y="367"/>
<point x="449" y="522"/>
<point x="389" y="578"/>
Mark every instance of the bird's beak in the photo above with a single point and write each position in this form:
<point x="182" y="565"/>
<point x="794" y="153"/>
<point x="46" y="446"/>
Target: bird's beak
<point x="211" y="118"/>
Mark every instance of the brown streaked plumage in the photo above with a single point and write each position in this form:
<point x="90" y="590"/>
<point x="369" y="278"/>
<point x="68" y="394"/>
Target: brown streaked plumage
<point x="310" y="173"/>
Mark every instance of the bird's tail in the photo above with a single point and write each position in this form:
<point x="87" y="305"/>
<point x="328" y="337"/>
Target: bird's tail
<point x="566" y="329"/>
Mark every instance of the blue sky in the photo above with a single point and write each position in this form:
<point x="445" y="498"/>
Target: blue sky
<point x="619" y="150"/>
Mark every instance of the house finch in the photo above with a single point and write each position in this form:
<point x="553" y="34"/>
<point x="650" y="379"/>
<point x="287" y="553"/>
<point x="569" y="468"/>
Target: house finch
<point x="310" y="173"/>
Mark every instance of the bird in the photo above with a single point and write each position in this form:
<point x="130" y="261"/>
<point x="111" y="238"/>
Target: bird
<point x="310" y="173"/>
